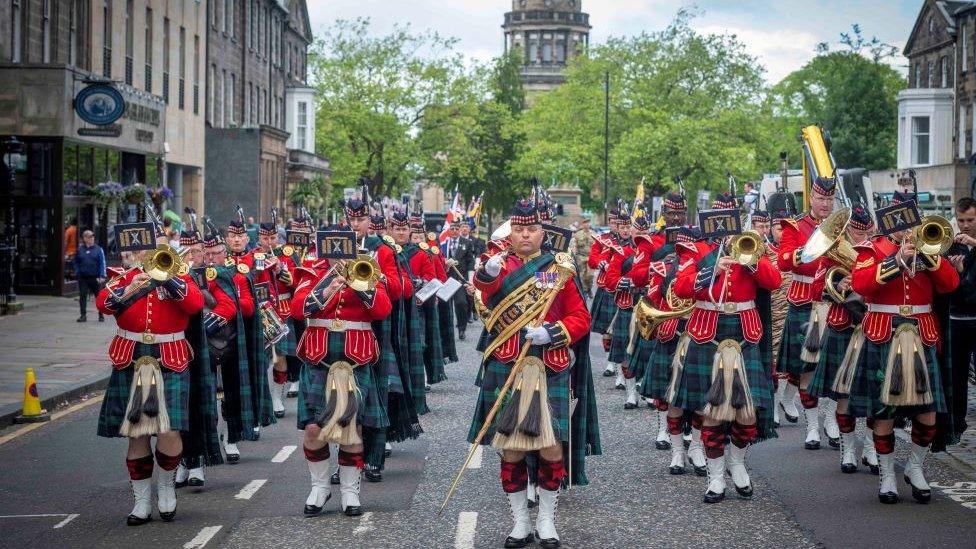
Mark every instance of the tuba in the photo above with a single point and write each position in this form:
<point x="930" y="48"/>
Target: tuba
<point x="649" y="318"/>
<point x="828" y="240"/>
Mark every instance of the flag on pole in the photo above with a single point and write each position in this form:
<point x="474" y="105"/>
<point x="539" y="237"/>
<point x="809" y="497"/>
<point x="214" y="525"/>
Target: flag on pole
<point x="639" y="200"/>
<point x="453" y="213"/>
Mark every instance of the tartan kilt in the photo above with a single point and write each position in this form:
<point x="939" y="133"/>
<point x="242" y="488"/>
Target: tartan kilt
<point x="602" y="310"/>
<point x="865" y="397"/>
<point x="311" y="397"/>
<point x="176" y="386"/>
<point x="831" y="355"/>
<point x="445" y="313"/>
<point x="415" y="343"/>
<point x="433" y="350"/>
<point x="696" y="376"/>
<point x="621" y="336"/>
<point x="637" y="362"/>
<point x="494" y="375"/>
<point x="794" y="334"/>
<point x="657" y="369"/>
<point x="289" y="343"/>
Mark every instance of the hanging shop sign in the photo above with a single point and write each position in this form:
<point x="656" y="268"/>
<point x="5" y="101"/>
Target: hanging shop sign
<point x="99" y="104"/>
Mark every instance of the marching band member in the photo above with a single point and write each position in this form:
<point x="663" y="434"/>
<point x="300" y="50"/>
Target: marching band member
<point x="621" y="287"/>
<point x="723" y="376"/>
<point x="282" y="261"/>
<point x="897" y="373"/>
<point x="603" y="307"/>
<point x="550" y="372"/>
<point x="149" y="388"/>
<point x="804" y="290"/>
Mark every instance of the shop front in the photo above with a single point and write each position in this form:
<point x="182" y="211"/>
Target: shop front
<point x="72" y="175"/>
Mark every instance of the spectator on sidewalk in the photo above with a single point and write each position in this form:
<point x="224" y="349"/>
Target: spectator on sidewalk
<point x="89" y="264"/>
<point x="962" y="306"/>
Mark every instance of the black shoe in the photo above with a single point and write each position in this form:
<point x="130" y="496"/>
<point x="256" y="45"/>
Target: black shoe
<point x="168" y="517"/>
<point x="353" y="511"/>
<point x="233" y="458"/>
<point x="619" y="387"/>
<point x="832" y="442"/>
<point x="789" y="418"/>
<point x="776" y="424"/>
<point x="701" y="471"/>
<point x="334" y="479"/>
<point x="195" y="482"/>
<point x="177" y="484"/>
<point x="712" y="497"/>
<point x="744" y="493"/>
<point x="630" y="405"/>
<point x="848" y="468"/>
<point x="552" y="543"/>
<point x="133" y="520"/>
<point x="609" y="373"/>
<point x="516" y="543"/>
<point x="875" y="470"/>
<point x="812" y="445"/>
<point x="888" y="498"/>
<point x="676" y="470"/>
<point x="312" y="510"/>
<point x="921" y="496"/>
<point x="662" y="445"/>
<point x="373" y="474"/>
<point x="461" y="336"/>
<point x="82" y="318"/>
<point x="279" y="414"/>
<point x="387" y="452"/>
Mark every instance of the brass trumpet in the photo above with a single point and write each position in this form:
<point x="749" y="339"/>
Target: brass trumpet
<point x="747" y="248"/>
<point x="362" y="273"/>
<point x="164" y="263"/>
<point x="932" y="237"/>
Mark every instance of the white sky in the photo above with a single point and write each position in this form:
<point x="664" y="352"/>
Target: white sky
<point x="781" y="33"/>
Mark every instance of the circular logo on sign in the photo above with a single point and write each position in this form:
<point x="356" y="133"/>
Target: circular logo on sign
<point x="99" y="104"/>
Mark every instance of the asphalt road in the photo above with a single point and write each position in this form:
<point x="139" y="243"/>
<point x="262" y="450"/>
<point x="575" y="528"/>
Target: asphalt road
<point x="76" y="485"/>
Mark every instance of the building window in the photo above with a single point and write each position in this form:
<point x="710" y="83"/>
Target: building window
<point x="230" y="99"/>
<point x="196" y="74"/>
<point x="944" y="69"/>
<point x="129" y="40"/>
<point x="15" y="39"/>
<point x="72" y="32"/>
<point x="247" y="22"/>
<point x="232" y="27"/>
<point x="149" y="48"/>
<point x="166" y="60"/>
<point x="224" y="93"/>
<point x="223" y="16"/>
<point x="46" y="31"/>
<point x="302" y="124"/>
<point x="961" y="139"/>
<point x="931" y="25"/>
<point x="918" y="75"/>
<point x="107" y="38"/>
<point x="965" y="50"/>
<point x="182" y="71"/>
<point x="211" y="95"/>
<point x="920" y="140"/>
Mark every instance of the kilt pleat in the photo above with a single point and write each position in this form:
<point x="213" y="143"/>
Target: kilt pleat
<point x="869" y="376"/>
<point x="696" y="376"/>
<point x="311" y="397"/>
<point x="289" y="343"/>
<point x="176" y="386"/>
<point x="831" y="357"/>
<point x="494" y="375"/>
<point x="601" y="311"/>
<point x="794" y="335"/>
<point x="657" y="369"/>
<point x="415" y="341"/>
<point x="445" y="314"/>
<point x="621" y="335"/>
<point x="637" y="362"/>
<point x="433" y="350"/>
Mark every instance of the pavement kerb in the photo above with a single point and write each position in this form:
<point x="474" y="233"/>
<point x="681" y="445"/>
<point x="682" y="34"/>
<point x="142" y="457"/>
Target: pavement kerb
<point x="94" y="383"/>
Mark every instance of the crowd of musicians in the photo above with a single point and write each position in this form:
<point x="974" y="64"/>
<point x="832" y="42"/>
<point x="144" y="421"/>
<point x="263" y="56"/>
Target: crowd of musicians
<point x="721" y="334"/>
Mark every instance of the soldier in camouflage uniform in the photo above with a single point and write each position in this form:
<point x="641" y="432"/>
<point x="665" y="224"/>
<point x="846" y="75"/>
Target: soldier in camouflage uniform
<point x="580" y="246"/>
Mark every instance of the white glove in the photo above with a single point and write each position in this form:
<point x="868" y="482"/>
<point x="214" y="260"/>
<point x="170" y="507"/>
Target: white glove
<point x="494" y="265"/>
<point x="538" y="335"/>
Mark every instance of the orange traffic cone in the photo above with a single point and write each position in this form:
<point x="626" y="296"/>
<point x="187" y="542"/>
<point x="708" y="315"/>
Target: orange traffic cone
<point x="32" y="404"/>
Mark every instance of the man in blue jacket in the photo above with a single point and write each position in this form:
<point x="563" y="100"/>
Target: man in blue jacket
<point x="89" y="265"/>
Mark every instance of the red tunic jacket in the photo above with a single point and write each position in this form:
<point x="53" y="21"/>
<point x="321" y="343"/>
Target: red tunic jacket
<point x="345" y="305"/>
<point x="795" y="236"/>
<point x="737" y="285"/>
<point x="154" y="315"/>
<point x="656" y="293"/>
<point x="879" y="279"/>
<point x="614" y="272"/>
<point x="568" y="311"/>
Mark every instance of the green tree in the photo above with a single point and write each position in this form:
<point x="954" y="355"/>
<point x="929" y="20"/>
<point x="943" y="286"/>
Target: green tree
<point x="681" y="103"/>
<point x="852" y="93"/>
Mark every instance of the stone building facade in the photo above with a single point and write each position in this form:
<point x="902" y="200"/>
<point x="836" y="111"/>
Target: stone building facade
<point x="549" y="33"/>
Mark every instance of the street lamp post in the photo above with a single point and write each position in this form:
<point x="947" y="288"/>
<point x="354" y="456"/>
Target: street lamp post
<point x="606" y="147"/>
<point x="12" y="150"/>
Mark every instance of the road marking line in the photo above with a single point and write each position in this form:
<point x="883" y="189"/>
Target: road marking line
<point x="365" y="523"/>
<point x="54" y="417"/>
<point x="283" y="454"/>
<point x="36" y="516"/>
<point x="202" y="537"/>
<point x="466" y="526"/>
<point x="68" y="519"/>
<point x="476" y="458"/>
<point x="250" y="489"/>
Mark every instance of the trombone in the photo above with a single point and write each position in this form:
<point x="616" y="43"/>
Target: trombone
<point x="746" y="249"/>
<point x="932" y="237"/>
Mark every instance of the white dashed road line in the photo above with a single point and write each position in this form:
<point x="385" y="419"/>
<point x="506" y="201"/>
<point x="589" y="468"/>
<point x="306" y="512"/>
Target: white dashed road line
<point x="202" y="537"/>
<point x="365" y="524"/>
<point x="466" y="526"/>
<point x="66" y="517"/>
<point x="251" y="488"/>
<point x="283" y="454"/>
<point x="66" y="520"/>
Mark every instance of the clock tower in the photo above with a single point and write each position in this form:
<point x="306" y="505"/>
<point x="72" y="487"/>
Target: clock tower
<point x="549" y="33"/>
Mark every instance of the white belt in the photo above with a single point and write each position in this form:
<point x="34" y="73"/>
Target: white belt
<point x="903" y="310"/>
<point x="339" y="325"/>
<point x="284" y="295"/>
<point x="729" y="307"/>
<point x="803" y="279"/>
<point x="150" y="338"/>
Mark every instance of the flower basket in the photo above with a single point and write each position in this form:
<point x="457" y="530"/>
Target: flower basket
<point x="105" y="192"/>
<point x="134" y="194"/>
